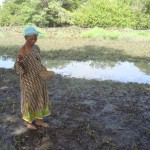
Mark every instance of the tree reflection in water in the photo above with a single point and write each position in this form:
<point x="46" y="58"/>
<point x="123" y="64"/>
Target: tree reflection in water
<point x="99" y="70"/>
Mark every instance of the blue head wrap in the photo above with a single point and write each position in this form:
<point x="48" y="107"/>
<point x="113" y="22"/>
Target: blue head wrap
<point x="30" y="31"/>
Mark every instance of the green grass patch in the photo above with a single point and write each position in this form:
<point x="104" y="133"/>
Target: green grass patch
<point x="99" y="33"/>
<point x="143" y="34"/>
<point x="43" y="33"/>
<point x="1" y="35"/>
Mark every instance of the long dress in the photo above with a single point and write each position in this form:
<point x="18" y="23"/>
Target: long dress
<point x="35" y="102"/>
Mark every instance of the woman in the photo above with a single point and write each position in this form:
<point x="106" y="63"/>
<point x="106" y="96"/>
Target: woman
<point x="34" y="95"/>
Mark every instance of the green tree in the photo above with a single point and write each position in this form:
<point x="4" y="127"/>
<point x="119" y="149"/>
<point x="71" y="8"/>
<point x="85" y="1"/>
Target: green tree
<point x="147" y="6"/>
<point x="104" y="13"/>
<point x="71" y="5"/>
<point x="110" y="13"/>
<point x="8" y="11"/>
<point x="85" y="13"/>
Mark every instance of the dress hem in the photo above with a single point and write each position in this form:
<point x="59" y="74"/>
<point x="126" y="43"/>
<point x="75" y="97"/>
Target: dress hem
<point x="35" y="118"/>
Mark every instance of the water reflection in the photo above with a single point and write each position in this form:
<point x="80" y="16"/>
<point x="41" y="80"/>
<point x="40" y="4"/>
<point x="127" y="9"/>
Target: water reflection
<point x="6" y="62"/>
<point x="144" y="67"/>
<point x="117" y="71"/>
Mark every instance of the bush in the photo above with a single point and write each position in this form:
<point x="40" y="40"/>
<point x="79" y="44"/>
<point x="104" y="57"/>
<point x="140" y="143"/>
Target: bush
<point x="104" y="13"/>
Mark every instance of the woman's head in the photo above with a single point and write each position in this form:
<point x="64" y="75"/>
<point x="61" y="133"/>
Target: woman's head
<point x="31" y="34"/>
<point x="31" y="39"/>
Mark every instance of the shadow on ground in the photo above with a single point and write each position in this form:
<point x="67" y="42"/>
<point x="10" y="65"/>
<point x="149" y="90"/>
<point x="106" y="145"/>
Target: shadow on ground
<point x="81" y="53"/>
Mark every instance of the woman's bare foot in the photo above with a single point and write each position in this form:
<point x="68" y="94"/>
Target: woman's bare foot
<point x="30" y="126"/>
<point x="41" y="123"/>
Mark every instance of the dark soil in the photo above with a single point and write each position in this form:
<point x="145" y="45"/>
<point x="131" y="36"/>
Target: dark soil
<point x="86" y="115"/>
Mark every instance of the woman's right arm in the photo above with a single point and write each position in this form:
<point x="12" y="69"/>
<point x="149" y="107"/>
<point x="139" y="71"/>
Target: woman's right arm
<point x="19" y="66"/>
<point x="20" y="59"/>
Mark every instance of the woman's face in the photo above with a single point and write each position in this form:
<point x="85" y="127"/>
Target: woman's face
<point x="31" y="40"/>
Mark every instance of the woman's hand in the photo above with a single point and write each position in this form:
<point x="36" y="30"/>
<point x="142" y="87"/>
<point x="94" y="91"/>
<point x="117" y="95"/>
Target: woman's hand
<point x="20" y="59"/>
<point x="44" y="68"/>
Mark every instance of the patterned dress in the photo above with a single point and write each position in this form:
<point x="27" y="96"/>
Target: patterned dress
<point x="35" y="101"/>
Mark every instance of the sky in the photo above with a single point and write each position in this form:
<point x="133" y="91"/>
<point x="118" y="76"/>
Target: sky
<point x="1" y="1"/>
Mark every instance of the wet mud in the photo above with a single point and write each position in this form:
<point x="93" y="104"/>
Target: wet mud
<point x="86" y="115"/>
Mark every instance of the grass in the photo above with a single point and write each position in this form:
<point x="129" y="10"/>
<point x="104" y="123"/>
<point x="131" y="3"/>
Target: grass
<point x="99" y="33"/>
<point x="82" y="44"/>
<point x="1" y="35"/>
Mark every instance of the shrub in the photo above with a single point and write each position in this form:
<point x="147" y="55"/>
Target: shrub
<point x="104" y="13"/>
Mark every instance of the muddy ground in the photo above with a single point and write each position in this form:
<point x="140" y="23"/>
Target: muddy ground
<point x="86" y="115"/>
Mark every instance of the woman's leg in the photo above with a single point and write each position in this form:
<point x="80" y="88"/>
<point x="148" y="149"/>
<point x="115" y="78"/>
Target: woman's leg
<point x="41" y="123"/>
<point x="30" y="125"/>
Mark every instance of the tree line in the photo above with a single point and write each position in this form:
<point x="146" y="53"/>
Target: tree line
<point x="84" y="13"/>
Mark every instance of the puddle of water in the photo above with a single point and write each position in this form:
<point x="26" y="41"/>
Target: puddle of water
<point x="117" y="71"/>
<point x="6" y="62"/>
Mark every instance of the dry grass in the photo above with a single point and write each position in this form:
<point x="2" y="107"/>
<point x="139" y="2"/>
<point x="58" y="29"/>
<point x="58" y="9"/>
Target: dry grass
<point x="66" y="43"/>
